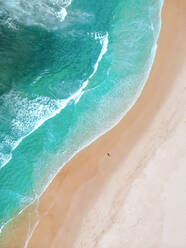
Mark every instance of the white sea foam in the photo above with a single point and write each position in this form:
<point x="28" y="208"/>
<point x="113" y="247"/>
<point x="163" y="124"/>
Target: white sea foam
<point x="104" y="42"/>
<point x="29" y="115"/>
<point x="46" y="13"/>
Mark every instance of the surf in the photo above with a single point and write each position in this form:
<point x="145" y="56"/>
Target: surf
<point x="69" y="71"/>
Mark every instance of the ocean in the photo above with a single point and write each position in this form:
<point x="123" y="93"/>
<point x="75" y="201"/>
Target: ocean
<point x="69" y="71"/>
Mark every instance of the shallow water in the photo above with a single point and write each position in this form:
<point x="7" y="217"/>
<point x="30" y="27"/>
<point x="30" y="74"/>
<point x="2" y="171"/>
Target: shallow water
<point x="69" y="71"/>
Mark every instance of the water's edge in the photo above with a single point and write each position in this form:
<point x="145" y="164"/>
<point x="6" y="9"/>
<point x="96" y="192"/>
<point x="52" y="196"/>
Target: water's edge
<point x="113" y="122"/>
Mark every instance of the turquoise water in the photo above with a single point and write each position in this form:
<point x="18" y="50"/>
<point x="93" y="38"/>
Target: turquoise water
<point x="69" y="71"/>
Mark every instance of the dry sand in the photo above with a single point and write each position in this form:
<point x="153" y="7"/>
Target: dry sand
<point x="135" y="196"/>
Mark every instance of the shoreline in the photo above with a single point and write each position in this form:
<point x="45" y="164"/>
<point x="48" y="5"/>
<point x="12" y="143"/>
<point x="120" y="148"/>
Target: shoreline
<point x="85" y="182"/>
<point x="114" y="120"/>
<point x="109" y="127"/>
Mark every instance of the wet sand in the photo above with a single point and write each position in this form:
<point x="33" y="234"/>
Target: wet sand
<point x="128" y="188"/>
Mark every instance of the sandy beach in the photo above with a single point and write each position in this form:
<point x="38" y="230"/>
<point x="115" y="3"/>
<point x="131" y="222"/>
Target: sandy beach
<point x="128" y="188"/>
